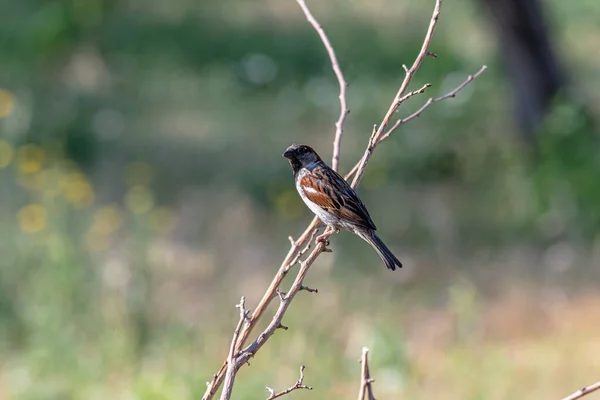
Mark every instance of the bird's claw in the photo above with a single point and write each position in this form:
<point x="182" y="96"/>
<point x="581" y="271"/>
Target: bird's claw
<point x="323" y="239"/>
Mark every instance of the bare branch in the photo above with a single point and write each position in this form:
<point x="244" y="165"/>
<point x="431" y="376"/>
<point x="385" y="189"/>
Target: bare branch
<point x="584" y="391"/>
<point x="339" y="125"/>
<point x="398" y="100"/>
<point x="401" y="121"/>
<point x="432" y="100"/>
<point x="366" y="387"/>
<point x="303" y="244"/>
<point x="306" y="248"/>
<point x="231" y="364"/>
<point x="271" y="292"/>
<point x="298" y="385"/>
<point x="285" y="302"/>
<point x="413" y="93"/>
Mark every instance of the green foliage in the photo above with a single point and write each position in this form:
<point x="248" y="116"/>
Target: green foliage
<point x="143" y="191"/>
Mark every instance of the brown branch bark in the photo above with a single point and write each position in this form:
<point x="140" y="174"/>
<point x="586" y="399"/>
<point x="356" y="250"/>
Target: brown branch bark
<point x="584" y="391"/>
<point x="339" y="125"/>
<point x="399" y="99"/>
<point x="429" y="102"/>
<point x="240" y="354"/>
<point x="231" y="371"/>
<point x="296" y="386"/>
<point x="366" y="382"/>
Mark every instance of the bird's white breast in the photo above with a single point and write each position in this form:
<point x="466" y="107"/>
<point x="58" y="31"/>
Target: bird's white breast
<point x="324" y="216"/>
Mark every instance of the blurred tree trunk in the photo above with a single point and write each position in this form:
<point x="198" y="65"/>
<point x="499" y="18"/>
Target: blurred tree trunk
<point x="536" y="74"/>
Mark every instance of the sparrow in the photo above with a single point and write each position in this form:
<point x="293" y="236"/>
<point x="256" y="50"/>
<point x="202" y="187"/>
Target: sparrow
<point x="332" y="199"/>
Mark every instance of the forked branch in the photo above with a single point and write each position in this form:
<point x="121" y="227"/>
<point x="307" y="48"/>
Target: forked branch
<point x="239" y="354"/>
<point x="366" y="382"/>
<point x="296" y="386"/>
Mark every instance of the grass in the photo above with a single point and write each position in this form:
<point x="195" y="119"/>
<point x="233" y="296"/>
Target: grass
<point x="99" y="301"/>
<point x="519" y="346"/>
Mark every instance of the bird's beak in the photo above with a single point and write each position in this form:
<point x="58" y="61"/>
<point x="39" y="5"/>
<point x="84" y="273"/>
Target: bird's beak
<point x="288" y="153"/>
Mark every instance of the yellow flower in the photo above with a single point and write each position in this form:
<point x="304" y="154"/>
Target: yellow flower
<point x="77" y="189"/>
<point x="32" y="218"/>
<point x="6" y="153"/>
<point x="31" y="159"/>
<point x="107" y="220"/>
<point x="7" y="103"/>
<point x="162" y="220"/>
<point x="138" y="173"/>
<point x="139" y="200"/>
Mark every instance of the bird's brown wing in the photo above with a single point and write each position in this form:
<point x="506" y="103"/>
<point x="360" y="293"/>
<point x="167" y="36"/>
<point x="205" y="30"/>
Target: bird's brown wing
<point x="326" y="188"/>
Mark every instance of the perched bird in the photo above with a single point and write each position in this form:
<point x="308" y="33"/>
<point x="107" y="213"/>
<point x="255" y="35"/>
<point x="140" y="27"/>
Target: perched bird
<point x="332" y="199"/>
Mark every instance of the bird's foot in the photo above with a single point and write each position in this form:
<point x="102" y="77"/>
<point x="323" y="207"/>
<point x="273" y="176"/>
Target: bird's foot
<point x="324" y="238"/>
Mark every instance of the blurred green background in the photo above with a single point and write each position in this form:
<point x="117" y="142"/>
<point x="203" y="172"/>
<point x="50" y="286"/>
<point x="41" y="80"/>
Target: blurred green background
<point x="143" y="192"/>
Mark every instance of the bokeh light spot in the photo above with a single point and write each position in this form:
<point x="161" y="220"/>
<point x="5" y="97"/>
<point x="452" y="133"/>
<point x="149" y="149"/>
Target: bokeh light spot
<point x="138" y="173"/>
<point x="107" y="220"/>
<point x="6" y="153"/>
<point x="163" y="220"/>
<point x="32" y="218"/>
<point x="139" y="200"/>
<point x="77" y="190"/>
<point x="30" y="158"/>
<point x="33" y="181"/>
<point x="7" y="103"/>
<point x="96" y="243"/>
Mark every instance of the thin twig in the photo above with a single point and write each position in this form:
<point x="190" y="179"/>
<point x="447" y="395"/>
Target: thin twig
<point x="217" y="379"/>
<point x="303" y="243"/>
<point x="414" y="93"/>
<point x="584" y="391"/>
<point x="285" y="302"/>
<point x="398" y="100"/>
<point x="339" y="125"/>
<point x="401" y="121"/>
<point x="306" y="248"/>
<point x="231" y="365"/>
<point x="432" y="100"/>
<point x="366" y="387"/>
<point x="298" y="385"/>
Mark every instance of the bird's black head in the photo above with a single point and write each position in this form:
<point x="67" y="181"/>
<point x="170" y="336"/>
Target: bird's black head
<point x="301" y="155"/>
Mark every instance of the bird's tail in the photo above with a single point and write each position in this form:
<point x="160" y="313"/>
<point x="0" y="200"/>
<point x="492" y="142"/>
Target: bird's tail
<point x="382" y="250"/>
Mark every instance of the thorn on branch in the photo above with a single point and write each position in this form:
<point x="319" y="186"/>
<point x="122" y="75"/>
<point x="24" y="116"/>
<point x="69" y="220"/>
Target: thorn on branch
<point x="405" y="68"/>
<point x="432" y="54"/>
<point x="281" y="326"/>
<point x="311" y="290"/>
<point x="281" y="294"/>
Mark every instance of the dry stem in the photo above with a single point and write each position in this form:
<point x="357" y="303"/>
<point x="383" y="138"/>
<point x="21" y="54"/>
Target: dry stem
<point x="584" y="391"/>
<point x="366" y="383"/>
<point x="339" y="125"/>
<point x="298" y="385"/>
<point x="230" y="375"/>
<point x="400" y="96"/>
<point x="240" y="356"/>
